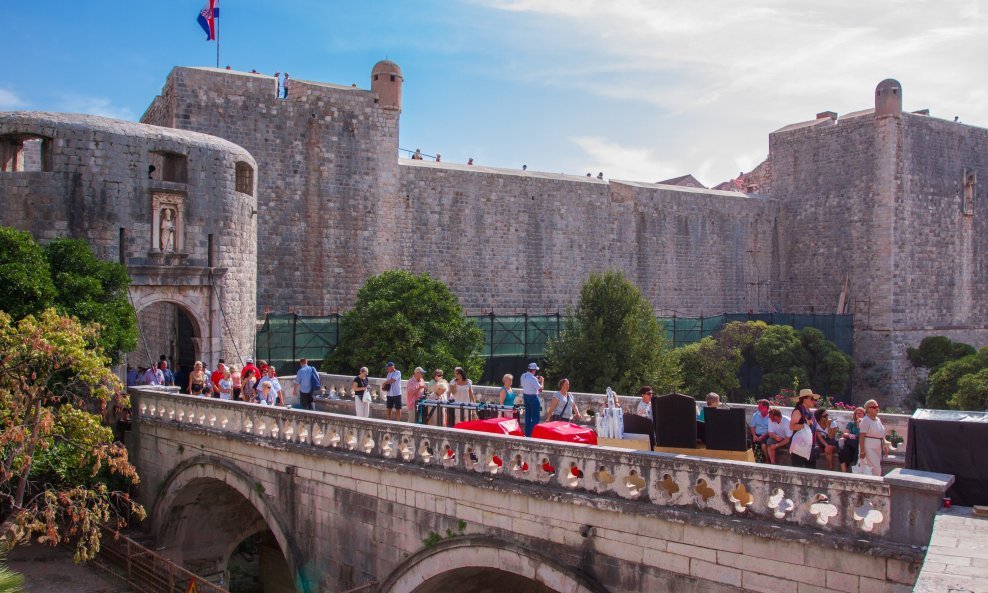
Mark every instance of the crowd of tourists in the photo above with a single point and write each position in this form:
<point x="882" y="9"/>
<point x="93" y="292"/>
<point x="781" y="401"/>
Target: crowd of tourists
<point x="810" y="433"/>
<point x="806" y="434"/>
<point x="252" y="383"/>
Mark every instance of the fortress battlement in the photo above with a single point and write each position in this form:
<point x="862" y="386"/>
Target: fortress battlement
<point x="877" y="213"/>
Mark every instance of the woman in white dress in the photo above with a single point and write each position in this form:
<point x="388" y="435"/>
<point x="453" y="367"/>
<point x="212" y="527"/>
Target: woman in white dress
<point x="872" y="438"/>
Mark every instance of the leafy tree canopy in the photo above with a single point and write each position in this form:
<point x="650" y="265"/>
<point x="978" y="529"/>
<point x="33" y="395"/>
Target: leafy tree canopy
<point x="933" y="351"/>
<point x="24" y="275"/>
<point x="65" y="274"/>
<point x="58" y="459"/>
<point x="946" y="381"/>
<point x="410" y="319"/>
<point x="784" y="354"/>
<point x="612" y="340"/>
<point x="709" y="365"/>
<point x="93" y="291"/>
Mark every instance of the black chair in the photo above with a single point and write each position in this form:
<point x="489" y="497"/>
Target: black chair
<point x="636" y="424"/>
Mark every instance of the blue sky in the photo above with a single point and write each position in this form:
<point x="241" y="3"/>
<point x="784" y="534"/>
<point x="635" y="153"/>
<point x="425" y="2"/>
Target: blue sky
<point x="638" y="89"/>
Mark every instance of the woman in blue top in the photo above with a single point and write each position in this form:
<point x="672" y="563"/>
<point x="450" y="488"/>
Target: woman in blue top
<point x="507" y="396"/>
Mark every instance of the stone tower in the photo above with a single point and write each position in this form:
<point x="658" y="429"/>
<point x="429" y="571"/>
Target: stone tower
<point x="888" y="97"/>
<point x="386" y="80"/>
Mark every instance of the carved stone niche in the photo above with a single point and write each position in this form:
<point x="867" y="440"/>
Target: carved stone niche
<point x="167" y="222"/>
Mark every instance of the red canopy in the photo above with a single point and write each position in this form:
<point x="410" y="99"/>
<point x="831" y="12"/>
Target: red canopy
<point x="566" y="432"/>
<point x="507" y="426"/>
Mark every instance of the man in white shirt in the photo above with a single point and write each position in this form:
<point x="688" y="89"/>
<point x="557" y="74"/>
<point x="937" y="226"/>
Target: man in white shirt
<point x="531" y="387"/>
<point x="779" y="433"/>
<point x="644" y="408"/>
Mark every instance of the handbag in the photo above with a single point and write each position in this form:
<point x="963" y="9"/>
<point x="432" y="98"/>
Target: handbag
<point x="802" y="443"/>
<point x="366" y="398"/>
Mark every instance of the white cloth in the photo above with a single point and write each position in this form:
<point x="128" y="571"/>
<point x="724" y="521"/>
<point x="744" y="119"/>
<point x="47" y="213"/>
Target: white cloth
<point x="361" y="408"/>
<point x="644" y="410"/>
<point x="802" y="442"/>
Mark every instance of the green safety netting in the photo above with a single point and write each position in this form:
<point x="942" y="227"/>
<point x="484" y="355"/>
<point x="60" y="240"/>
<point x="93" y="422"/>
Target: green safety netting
<point x="511" y="340"/>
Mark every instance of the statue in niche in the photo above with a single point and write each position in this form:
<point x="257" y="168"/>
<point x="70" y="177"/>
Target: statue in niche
<point x="167" y="229"/>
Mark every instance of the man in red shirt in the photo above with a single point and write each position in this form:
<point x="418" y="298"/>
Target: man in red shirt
<point x="250" y="367"/>
<point x="217" y="376"/>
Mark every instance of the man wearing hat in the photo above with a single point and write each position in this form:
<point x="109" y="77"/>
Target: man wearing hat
<point x="250" y="367"/>
<point x="531" y="387"/>
<point x="392" y="387"/>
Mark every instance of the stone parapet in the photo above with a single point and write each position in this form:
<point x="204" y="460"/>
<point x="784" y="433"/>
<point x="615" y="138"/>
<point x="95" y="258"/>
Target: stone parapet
<point x="767" y="499"/>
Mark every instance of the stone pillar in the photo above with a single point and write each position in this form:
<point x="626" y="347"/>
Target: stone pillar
<point x="916" y="498"/>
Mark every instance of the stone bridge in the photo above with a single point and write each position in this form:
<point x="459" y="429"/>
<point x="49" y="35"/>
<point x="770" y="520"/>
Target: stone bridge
<point x="340" y="502"/>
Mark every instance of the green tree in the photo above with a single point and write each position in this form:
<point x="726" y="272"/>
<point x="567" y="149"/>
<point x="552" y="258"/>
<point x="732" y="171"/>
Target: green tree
<point x="779" y="351"/>
<point x="709" y="365"/>
<point x="933" y="351"/>
<point x="67" y="275"/>
<point x="55" y="451"/>
<point x="612" y="340"/>
<point x="972" y="392"/>
<point x="945" y="381"/>
<point x="93" y="291"/>
<point x="410" y="319"/>
<point x="827" y="368"/>
<point x="24" y="275"/>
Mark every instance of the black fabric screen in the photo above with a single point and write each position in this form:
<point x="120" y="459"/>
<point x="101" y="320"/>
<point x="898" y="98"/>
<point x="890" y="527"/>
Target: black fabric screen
<point x="941" y="442"/>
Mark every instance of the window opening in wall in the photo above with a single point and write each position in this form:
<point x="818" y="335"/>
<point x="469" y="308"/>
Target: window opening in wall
<point x="970" y="182"/>
<point x="210" y="255"/>
<point x="245" y="179"/>
<point x="27" y="153"/>
<point x="169" y="166"/>
<point x="122" y="240"/>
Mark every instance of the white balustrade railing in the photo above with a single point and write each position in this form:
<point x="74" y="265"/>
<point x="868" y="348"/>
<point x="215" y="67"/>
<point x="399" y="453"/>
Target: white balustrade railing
<point x="858" y="506"/>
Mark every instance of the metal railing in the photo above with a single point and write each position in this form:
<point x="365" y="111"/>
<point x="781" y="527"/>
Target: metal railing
<point x="145" y="570"/>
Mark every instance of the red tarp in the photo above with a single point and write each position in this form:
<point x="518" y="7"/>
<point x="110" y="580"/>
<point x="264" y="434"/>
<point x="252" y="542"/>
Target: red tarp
<point x="507" y="426"/>
<point x="566" y="432"/>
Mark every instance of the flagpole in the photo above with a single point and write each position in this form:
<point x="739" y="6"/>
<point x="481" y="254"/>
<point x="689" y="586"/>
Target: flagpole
<point x="216" y="25"/>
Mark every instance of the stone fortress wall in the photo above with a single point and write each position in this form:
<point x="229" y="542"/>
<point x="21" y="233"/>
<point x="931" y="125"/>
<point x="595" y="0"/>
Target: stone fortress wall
<point x="882" y="200"/>
<point x="327" y="155"/>
<point x="877" y="197"/>
<point x="338" y="206"/>
<point x="88" y="177"/>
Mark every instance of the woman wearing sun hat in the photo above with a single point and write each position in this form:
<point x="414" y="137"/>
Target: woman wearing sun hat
<point x="800" y="420"/>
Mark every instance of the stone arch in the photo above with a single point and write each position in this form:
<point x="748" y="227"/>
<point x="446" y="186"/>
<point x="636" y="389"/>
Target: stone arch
<point x="193" y="306"/>
<point x="210" y="474"/>
<point x="452" y="563"/>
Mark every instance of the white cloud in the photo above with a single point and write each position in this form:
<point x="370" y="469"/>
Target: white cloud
<point x="732" y="73"/>
<point x="10" y="101"/>
<point x="95" y="106"/>
<point x="618" y="161"/>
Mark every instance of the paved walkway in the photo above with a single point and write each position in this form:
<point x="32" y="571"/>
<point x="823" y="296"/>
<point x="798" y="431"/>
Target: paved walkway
<point x="957" y="559"/>
<point x="51" y="570"/>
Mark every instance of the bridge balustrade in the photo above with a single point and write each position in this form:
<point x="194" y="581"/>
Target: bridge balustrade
<point x="897" y="508"/>
<point x="340" y="384"/>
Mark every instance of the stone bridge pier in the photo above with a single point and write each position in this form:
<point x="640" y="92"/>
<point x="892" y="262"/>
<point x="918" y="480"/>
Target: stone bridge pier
<point x="336" y="502"/>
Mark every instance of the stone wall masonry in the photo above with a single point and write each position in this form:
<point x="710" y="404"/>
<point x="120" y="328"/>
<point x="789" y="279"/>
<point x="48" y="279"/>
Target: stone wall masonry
<point x="520" y="240"/>
<point x="99" y="183"/>
<point x="369" y="493"/>
<point x="329" y="164"/>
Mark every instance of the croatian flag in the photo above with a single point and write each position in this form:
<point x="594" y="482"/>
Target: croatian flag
<point x="207" y="18"/>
